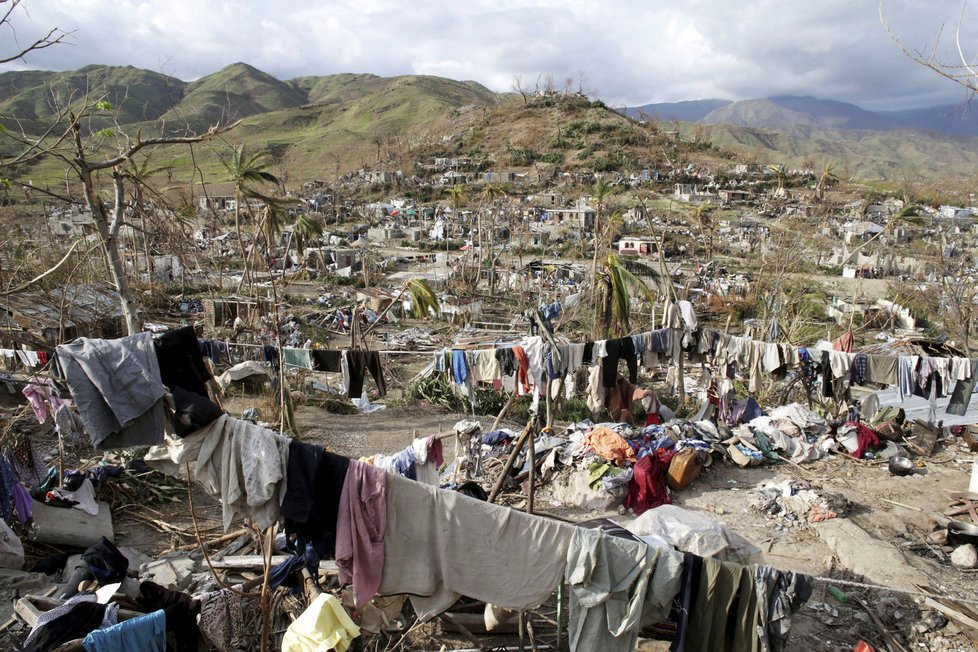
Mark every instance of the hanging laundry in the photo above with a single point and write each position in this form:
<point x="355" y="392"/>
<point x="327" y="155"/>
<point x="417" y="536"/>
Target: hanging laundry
<point x="779" y="595"/>
<point x="40" y="395"/>
<point x="314" y="482"/>
<point x="237" y="462"/>
<point x="117" y="388"/>
<point x="297" y="358"/>
<point x="180" y="362"/>
<point x="220" y="621"/>
<point x="460" y="367"/>
<point x="520" y="558"/>
<point x="361" y="526"/>
<point x="607" y="578"/>
<point x="145" y="633"/>
<point x="360" y="362"/>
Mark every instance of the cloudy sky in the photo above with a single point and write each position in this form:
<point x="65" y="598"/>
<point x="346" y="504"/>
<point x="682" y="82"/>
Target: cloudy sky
<point x="630" y="51"/>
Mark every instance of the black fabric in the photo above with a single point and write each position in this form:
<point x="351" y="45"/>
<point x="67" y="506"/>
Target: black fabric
<point x="961" y="395"/>
<point x="507" y="361"/>
<point x="588" y="352"/>
<point x="826" y="376"/>
<point x="689" y="587"/>
<point x="323" y="360"/>
<point x="300" y="488"/>
<point x="617" y="349"/>
<point x="320" y="527"/>
<point x="106" y="562"/>
<point x="180" y="609"/>
<point x="181" y="364"/>
<point x="608" y="526"/>
<point x="270" y="353"/>
<point x="473" y="489"/>
<point x="83" y="618"/>
<point x="193" y="412"/>
<point x="360" y="362"/>
<point x="51" y="564"/>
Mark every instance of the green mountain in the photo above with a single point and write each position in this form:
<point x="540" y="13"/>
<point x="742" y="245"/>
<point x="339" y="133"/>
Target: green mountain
<point x="136" y="95"/>
<point x="318" y="127"/>
<point x="235" y="92"/>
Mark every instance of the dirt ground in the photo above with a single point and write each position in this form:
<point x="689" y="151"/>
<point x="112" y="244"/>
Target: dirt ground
<point x="896" y="512"/>
<point x="888" y="520"/>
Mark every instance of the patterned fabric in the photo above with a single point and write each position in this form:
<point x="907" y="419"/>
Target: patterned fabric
<point x="220" y="619"/>
<point x="857" y="373"/>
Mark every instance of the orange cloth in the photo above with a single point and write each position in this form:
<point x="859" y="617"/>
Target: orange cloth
<point x="522" y="376"/>
<point x="610" y="445"/>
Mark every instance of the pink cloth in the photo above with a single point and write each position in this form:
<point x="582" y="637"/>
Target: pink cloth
<point x="38" y="394"/>
<point x="360" y="528"/>
<point x="435" y="453"/>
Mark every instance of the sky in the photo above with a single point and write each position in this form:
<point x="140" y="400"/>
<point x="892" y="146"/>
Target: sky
<point x="629" y="52"/>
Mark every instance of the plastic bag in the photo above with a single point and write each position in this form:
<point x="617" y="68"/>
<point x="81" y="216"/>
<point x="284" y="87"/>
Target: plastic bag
<point x="694" y="532"/>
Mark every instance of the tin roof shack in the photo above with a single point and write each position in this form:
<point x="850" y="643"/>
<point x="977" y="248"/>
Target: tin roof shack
<point x="64" y="313"/>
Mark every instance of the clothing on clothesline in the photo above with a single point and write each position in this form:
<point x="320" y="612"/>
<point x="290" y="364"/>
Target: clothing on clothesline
<point x="180" y="361"/>
<point x="361" y="527"/>
<point x="520" y="558"/>
<point x="360" y="362"/>
<point x="116" y="385"/>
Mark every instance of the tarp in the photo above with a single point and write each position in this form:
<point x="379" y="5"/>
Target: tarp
<point x="917" y="407"/>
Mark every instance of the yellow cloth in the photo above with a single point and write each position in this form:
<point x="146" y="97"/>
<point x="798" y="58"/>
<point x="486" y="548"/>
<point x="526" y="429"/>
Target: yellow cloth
<point x="324" y="626"/>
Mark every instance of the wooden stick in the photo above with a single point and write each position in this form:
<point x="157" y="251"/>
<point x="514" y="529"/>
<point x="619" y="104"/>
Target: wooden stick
<point x="461" y="629"/>
<point x="893" y="502"/>
<point x="517" y="447"/>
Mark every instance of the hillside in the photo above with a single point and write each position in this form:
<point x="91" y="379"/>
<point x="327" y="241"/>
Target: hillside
<point x="687" y="111"/>
<point x="866" y="154"/>
<point x="789" y="111"/>
<point x="318" y="127"/>
<point x="792" y="112"/>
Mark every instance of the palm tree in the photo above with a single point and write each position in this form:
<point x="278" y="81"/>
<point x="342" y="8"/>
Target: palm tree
<point x="906" y="215"/>
<point x="780" y="171"/>
<point x="490" y="193"/>
<point x="827" y="178"/>
<point x="617" y="282"/>
<point x="601" y="191"/>
<point x="140" y="173"/>
<point x="423" y="301"/>
<point x="304" y="230"/>
<point x="244" y="169"/>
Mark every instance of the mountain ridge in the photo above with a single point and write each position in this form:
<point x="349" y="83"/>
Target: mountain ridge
<point x="789" y="111"/>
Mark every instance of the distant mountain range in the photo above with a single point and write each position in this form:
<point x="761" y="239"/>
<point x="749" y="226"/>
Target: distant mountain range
<point x="318" y="127"/>
<point x="789" y="112"/>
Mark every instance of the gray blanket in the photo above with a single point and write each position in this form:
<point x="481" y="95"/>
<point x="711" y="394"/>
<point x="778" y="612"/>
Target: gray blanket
<point x="117" y="389"/>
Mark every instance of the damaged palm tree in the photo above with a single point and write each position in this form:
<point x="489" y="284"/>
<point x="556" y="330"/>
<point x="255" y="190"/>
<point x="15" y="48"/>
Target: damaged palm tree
<point x="245" y="169"/>
<point x="424" y="301"/>
<point x="616" y="284"/>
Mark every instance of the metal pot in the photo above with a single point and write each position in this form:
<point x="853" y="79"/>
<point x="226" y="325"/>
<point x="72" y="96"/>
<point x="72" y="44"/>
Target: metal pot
<point x="961" y="532"/>
<point x="901" y="466"/>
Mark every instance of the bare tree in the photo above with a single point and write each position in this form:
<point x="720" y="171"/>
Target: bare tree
<point x="54" y="36"/>
<point x="519" y="87"/>
<point x="962" y="72"/>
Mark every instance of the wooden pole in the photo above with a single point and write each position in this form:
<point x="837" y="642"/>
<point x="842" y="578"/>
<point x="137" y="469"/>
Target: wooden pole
<point x="502" y="413"/>
<point x="517" y="447"/>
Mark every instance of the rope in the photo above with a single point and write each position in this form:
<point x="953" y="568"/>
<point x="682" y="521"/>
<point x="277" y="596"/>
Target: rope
<point x="889" y="589"/>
